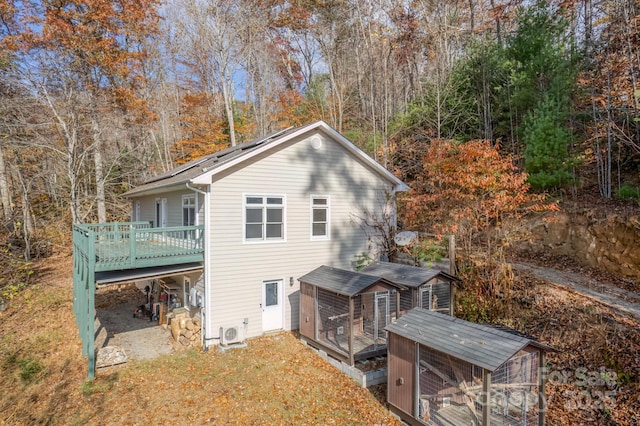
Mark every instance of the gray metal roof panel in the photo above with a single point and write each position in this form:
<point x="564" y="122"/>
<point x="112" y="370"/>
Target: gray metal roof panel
<point x="478" y="344"/>
<point x="341" y="281"/>
<point x="407" y="275"/>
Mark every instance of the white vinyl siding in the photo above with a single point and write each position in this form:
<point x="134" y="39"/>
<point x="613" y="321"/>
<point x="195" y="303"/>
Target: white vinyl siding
<point x="320" y="217"/>
<point x="298" y="170"/>
<point x="174" y="207"/>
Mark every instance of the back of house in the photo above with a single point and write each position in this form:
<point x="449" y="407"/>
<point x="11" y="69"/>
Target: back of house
<point x="272" y="209"/>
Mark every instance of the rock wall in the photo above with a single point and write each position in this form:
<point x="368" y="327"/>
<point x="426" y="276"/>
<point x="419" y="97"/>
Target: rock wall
<point x="608" y="241"/>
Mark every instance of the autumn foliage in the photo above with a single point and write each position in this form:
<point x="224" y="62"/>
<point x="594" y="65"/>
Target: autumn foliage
<point x="464" y="189"/>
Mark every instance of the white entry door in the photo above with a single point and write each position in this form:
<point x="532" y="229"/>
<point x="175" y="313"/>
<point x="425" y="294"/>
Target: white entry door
<point x="272" y="305"/>
<point x="161" y="213"/>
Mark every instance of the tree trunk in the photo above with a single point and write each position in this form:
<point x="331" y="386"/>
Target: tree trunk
<point x="5" y="194"/>
<point x="228" y="107"/>
<point x="99" y="171"/>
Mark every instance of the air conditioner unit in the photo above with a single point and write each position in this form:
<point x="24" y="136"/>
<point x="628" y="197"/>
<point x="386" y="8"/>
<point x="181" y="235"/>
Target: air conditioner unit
<point x="231" y="335"/>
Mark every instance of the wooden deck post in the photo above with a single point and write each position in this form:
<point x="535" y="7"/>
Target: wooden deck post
<point x="542" y="380"/>
<point x="351" y="311"/>
<point x="486" y="399"/>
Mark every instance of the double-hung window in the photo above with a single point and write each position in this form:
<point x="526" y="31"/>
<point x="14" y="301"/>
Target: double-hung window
<point x="264" y="218"/>
<point x="188" y="210"/>
<point x="320" y="217"/>
<point x="189" y="214"/>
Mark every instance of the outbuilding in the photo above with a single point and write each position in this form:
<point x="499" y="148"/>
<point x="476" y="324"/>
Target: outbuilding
<point x="446" y="371"/>
<point x="426" y="288"/>
<point x="345" y="313"/>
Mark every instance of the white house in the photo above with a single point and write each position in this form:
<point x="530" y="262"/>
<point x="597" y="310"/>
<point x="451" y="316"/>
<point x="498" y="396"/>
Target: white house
<point x="273" y="209"/>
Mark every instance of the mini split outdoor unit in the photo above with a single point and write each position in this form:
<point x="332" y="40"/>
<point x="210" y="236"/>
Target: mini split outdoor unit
<point x="231" y="335"/>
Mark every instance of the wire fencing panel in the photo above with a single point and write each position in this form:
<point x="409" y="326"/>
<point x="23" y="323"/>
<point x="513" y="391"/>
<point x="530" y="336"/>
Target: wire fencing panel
<point x="436" y="297"/>
<point x="444" y="384"/>
<point x="514" y="390"/>
<point x="333" y="320"/>
<point x="451" y="391"/>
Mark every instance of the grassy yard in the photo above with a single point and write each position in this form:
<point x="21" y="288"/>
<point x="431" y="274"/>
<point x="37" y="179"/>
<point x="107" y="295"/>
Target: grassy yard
<point x="274" y="380"/>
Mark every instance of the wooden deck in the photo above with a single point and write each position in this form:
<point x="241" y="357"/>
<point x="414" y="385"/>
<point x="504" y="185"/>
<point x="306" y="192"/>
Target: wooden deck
<point x="117" y="246"/>
<point x="134" y="245"/>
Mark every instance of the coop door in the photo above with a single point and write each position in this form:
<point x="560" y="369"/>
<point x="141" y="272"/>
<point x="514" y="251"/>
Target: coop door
<point x="426" y="298"/>
<point x="382" y="316"/>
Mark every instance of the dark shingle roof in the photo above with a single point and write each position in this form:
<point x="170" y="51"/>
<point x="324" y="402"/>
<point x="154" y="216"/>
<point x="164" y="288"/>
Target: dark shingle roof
<point x="341" y="281"/>
<point x="484" y="346"/>
<point x="407" y="275"/>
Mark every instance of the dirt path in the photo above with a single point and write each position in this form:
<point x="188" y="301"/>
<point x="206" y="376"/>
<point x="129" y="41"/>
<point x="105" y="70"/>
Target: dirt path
<point x="605" y="293"/>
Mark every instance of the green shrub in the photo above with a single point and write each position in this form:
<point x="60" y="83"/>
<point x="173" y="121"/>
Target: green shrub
<point x="628" y="192"/>
<point x="29" y="369"/>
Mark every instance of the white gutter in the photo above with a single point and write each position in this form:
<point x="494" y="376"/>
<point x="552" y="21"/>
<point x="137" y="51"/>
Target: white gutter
<point x="203" y="310"/>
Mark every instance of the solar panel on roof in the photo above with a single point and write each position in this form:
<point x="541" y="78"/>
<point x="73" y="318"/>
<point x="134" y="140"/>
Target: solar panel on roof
<point x="217" y="156"/>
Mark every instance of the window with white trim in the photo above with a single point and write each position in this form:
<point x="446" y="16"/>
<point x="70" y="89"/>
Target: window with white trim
<point x="263" y="218"/>
<point x="188" y="210"/>
<point x="320" y="217"/>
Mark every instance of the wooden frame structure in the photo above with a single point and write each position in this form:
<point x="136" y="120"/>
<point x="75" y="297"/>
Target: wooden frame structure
<point x="345" y="313"/>
<point x="446" y="371"/>
<point x="426" y="288"/>
<point x="117" y="246"/>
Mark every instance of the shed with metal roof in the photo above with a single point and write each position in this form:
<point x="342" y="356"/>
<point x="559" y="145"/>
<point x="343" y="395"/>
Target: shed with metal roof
<point x="444" y="370"/>
<point x="426" y="288"/>
<point x="344" y="312"/>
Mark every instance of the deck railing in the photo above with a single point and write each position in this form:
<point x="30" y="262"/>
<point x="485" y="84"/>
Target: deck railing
<point x="128" y="245"/>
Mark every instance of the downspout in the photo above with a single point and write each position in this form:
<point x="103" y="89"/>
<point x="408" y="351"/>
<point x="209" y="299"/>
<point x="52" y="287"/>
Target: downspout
<point x="203" y="310"/>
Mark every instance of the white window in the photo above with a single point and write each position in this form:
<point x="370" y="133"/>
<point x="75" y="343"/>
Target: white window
<point x="136" y="214"/>
<point x="320" y="217"/>
<point x="188" y="210"/>
<point x="264" y="218"/>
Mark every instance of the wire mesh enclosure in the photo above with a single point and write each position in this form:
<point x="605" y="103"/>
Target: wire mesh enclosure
<point x="372" y="312"/>
<point x="425" y="288"/>
<point x="452" y="390"/>
<point x="436" y="297"/>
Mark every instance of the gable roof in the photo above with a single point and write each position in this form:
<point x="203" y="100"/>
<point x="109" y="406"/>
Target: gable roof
<point x="341" y="281"/>
<point x="478" y="344"/>
<point x="407" y="275"/>
<point x="200" y="171"/>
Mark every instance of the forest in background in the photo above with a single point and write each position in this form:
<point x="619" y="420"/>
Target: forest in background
<point x="99" y="95"/>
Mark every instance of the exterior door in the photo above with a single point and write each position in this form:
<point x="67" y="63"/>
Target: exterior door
<point x="272" y="305"/>
<point x="161" y="213"/>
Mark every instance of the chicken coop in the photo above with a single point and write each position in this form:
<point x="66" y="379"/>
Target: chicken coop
<point x="426" y="288"/>
<point x="445" y="371"/>
<point x="345" y="313"/>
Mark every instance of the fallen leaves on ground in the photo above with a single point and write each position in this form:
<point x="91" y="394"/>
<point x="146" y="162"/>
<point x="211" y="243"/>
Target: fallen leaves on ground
<point x="273" y="380"/>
